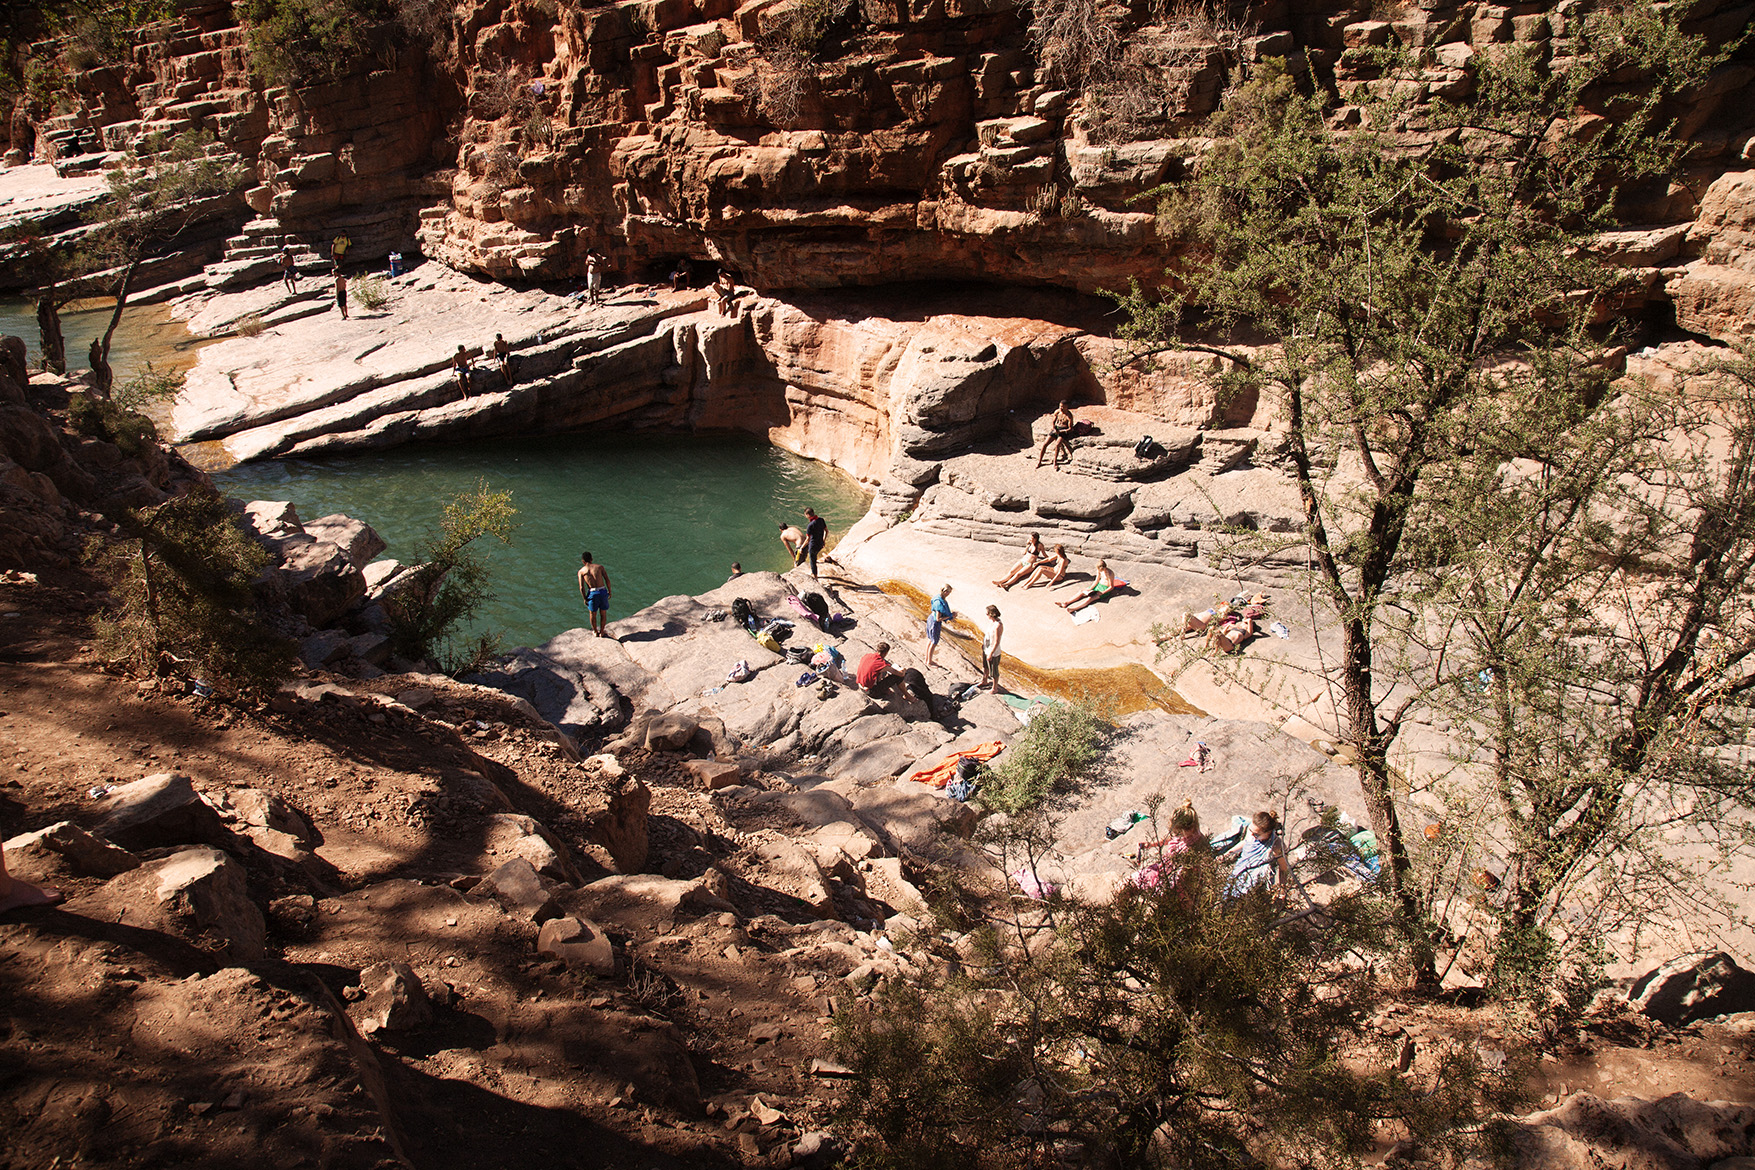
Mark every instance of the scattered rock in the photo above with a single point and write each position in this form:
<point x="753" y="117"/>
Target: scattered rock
<point x="580" y="943"/>
<point x="65" y="848"/>
<point x="395" y="999"/>
<point x="159" y="810"/>
<point x="512" y="835"/>
<point x="815" y="1150"/>
<point x="1694" y="987"/>
<point x="715" y="774"/>
<point x="517" y="888"/>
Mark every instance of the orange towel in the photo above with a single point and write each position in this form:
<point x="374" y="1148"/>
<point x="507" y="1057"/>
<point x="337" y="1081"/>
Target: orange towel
<point x="940" y="773"/>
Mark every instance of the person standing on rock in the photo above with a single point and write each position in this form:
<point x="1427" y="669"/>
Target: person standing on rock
<point x="595" y="264"/>
<point x="503" y="353"/>
<point x="594" y="588"/>
<point x="289" y="271"/>
<point x="460" y="363"/>
<point x="816" y="536"/>
<point x="992" y="631"/>
<point x="936" y="617"/>
<point x="341" y="294"/>
<point x="338" y="250"/>
<point x="1060" y="430"/>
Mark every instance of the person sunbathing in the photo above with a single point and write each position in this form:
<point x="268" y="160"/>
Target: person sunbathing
<point x="1229" y="638"/>
<point x="1097" y="592"/>
<point x="1051" y="571"/>
<point x="1034" y="556"/>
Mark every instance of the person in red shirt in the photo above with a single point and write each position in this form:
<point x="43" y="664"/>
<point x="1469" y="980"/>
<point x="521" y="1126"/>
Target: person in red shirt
<point x="875" y="676"/>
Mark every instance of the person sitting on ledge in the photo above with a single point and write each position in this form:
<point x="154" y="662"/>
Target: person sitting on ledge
<point x="1034" y="556"/>
<point x="1051" y="571"/>
<point x="1097" y="592"/>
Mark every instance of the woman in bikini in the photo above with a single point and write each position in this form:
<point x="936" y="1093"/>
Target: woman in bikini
<point x="1051" y="571"/>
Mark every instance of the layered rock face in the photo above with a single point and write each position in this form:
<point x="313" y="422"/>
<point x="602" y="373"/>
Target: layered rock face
<point x="809" y="145"/>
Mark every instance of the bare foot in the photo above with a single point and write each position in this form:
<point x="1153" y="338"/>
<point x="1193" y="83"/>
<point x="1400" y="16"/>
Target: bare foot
<point x="24" y="895"/>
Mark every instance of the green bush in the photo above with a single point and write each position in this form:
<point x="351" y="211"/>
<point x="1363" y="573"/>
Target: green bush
<point x="297" y="42"/>
<point x="371" y="292"/>
<point x="182" y="602"/>
<point x="103" y="418"/>
<point x="1173" y="1028"/>
<point x="451" y="584"/>
<point x="1061" y="747"/>
<point x="147" y="387"/>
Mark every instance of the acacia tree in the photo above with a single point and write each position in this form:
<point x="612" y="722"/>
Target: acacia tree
<point x="1400" y="267"/>
<point x="1594" y="602"/>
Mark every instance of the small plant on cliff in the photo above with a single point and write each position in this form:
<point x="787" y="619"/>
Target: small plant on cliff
<point x="250" y="325"/>
<point x="102" y="418"/>
<point x="180" y="583"/>
<point x="451" y="584"/>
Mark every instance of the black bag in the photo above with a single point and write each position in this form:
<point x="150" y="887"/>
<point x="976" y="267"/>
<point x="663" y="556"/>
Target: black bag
<point x="742" y="614"/>
<point x="1145" y="448"/>
<point x="800" y="654"/>
<point x="815" y="603"/>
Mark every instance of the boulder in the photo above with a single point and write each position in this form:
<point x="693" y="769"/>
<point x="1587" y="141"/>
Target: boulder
<point x="670" y="733"/>
<point x="159" y="810"/>
<point x="395" y="999"/>
<point x="201" y="892"/>
<point x="254" y="806"/>
<point x="320" y="579"/>
<point x="631" y="897"/>
<point x="1586" y="1132"/>
<point x="354" y="537"/>
<point x="519" y="891"/>
<point x="580" y="943"/>
<point x="65" y="848"/>
<point x="1694" y="987"/>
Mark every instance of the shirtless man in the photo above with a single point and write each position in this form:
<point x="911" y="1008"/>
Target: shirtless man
<point x="1033" y="558"/>
<point x="289" y="271"/>
<point x="793" y="538"/>
<point x="724" y="293"/>
<point x="503" y="353"/>
<point x="594" y="588"/>
<point x="1104" y="583"/>
<point x="460" y="364"/>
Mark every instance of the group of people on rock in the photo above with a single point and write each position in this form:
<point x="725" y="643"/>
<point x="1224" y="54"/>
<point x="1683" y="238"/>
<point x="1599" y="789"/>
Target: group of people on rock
<point x="289" y="269"/>
<point x="1039" y="567"/>
<point x="1260" y="861"/>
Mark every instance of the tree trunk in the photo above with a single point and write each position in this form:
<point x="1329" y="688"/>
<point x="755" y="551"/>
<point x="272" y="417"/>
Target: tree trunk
<point x="101" y="376"/>
<point x="49" y="327"/>
<point x="1364" y="738"/>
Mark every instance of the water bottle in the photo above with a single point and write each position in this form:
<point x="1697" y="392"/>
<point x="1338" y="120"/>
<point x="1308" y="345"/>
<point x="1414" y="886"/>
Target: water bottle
<point x="1122" y="824"/>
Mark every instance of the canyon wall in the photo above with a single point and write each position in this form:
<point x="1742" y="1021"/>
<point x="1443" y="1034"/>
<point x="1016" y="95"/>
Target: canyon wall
<point x="924" y="141"/>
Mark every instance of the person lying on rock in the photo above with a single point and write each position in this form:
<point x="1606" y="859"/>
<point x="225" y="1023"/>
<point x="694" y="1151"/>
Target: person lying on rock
<point x="1034" y="557"/>
<point x="1197" y="624"/>
<point x="1060" y="430"/>
<point x="1097" y="592"/>
<point x="1230" y="637"/>
<point x="1051" y="571"/>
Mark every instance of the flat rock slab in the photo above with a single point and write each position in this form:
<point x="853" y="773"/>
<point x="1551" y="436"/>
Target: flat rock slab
<point x="65" y="848"/>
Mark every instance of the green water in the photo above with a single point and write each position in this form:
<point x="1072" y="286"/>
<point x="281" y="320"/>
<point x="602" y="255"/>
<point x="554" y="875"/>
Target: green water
<point x="663" y="515"/>
<point x="146" y="333"/>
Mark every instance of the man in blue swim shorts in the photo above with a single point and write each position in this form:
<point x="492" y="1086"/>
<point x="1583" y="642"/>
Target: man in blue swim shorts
<point x="594" y="588"/>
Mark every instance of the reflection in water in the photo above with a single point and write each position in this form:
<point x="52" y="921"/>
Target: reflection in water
<point x="146" y="333"/>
